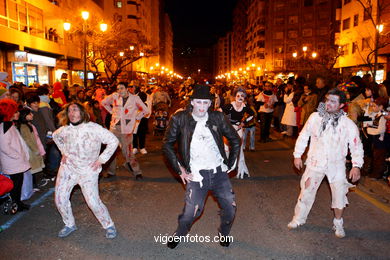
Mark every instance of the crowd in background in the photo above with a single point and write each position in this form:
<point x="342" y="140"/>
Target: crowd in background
<point x="29" y="117"/>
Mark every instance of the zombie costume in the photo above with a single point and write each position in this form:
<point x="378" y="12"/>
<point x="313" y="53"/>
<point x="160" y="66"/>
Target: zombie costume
<point x="125" y="112"/>
<point x="80" y="145"/>
<point x="202" y="154"/>
<point x="237" y="117"/>
<point x="330" y="137"/>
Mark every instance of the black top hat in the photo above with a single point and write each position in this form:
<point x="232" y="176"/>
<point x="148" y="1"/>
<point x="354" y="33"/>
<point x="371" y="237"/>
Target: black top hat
<point x="201" y="92"/>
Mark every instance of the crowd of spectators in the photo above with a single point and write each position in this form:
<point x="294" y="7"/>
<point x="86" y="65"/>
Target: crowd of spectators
<point x="29" y="117"/>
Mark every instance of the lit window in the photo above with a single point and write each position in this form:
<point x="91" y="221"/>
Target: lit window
<point x="118" y="3"/>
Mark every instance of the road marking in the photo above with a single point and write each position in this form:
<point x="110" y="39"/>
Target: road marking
<point x="19" y="215"/>
<point x="373" y="201"/>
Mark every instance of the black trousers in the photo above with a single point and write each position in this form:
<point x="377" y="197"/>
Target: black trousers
<point x="16" y="192"/>
<point x="265" y="125"/>
<point x="140" y="137"/>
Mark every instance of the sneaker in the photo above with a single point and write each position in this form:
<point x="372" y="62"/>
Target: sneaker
<point x="338" y="228"/>
<point x="135" y="150"/>
<point x="66" y="231"/>
<point x="143" y="151"/>
<point x="111" y="232"/>
<point x="294" y="224"/>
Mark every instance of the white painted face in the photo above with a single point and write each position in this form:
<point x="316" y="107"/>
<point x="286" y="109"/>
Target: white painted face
<point x="122" y="91"/>
<point x="200" y="106"/>
<point x="240" y="97"/>
<point x="332" y="104"/>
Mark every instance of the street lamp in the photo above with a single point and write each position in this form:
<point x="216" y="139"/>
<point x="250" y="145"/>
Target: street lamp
<point x="84" y="31"/>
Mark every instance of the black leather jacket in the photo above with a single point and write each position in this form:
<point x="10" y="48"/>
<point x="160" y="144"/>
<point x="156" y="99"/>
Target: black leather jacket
<point x="181" y="128"/>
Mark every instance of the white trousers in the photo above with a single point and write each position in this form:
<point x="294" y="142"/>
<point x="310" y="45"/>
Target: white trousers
<point x="67" y="178"/>
<point x="310" y="183"/>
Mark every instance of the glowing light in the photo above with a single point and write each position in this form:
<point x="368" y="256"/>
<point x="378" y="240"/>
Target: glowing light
<point x="121" y="53"/>
<point x="380" y="28"/>
<point x="295" y="54"/>
<point x="131" y="48"/>
<point x="103" y="27"/>
<point x="67" y="26"/>
<point x="314" y="54"/>
<point x="304" y="48"/>
<point x="85" y="15"/>
<point x="141" y="54"/>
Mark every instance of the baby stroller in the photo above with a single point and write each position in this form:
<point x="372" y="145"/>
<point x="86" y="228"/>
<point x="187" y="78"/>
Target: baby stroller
<point x="160" y="118"/>
<point x="7" y="205"/>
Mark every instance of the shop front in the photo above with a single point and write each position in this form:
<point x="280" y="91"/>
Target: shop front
<point x="29" y="68"/>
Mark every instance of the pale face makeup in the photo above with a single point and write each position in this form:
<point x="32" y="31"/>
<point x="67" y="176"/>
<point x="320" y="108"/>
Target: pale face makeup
<point x="332" y="104"/>
<point x="200" y="106"/>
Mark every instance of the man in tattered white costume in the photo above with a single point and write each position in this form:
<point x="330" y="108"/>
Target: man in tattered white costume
<point x="331" y="133"/>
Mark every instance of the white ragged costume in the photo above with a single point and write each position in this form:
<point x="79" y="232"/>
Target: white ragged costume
<point x="80" y="145"/>
<point x="330" y="139"/>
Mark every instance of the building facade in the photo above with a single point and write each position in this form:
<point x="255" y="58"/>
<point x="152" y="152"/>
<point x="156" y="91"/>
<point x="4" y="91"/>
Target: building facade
<point x="280" y="36"/>
<point x="222" y="54"/>
<point x="359" y="37"/>
<point x="34" y="46"/>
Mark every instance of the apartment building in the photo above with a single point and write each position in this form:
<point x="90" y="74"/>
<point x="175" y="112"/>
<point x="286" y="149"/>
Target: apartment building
<point x="33" y="44"/>
<point x="358" y="38"/>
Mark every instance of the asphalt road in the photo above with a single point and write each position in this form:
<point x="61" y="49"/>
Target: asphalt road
<point x="144" y="210"/>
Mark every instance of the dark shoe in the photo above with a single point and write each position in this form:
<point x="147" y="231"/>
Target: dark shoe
<point x="22" y="206"/>
<point x="269" y="140"/>
<point x="172" y="244"/>
<point x="252" y="150"/>
<point x="138" y="177"/>
<point x="224" y="240"/>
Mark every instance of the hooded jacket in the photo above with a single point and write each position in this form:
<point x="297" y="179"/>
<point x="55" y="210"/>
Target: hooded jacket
<point x="181" y="128"/>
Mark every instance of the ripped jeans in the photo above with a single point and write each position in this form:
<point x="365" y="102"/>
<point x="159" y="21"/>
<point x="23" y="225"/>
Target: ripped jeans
<point x="221" y="188"/>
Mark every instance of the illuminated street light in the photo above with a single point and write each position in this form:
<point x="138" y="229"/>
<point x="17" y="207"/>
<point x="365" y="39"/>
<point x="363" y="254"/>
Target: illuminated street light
<point x="295" y="54"/>
<point x="141" y="54"/>
<point x="121" y="53"/>
<point x="103" y="27"/>
<point x="304" y="48"/>
<point x="85" y="15"/>
<point x="380" y="28"/>
<point x="131" y="48"/>
<point x="314" y="54"/>
<point x="67" y="26"/>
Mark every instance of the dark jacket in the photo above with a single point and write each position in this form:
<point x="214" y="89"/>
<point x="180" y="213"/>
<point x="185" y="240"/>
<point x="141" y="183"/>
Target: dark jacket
<point x="181" y="128"/>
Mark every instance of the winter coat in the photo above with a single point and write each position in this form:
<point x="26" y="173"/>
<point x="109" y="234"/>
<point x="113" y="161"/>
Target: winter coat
<point x="127" y="114"/>
<point x="289" y="115"/>
<point x="14" y="157"/>
<point x="36" y="160"/>
<point x="308" y="103"/>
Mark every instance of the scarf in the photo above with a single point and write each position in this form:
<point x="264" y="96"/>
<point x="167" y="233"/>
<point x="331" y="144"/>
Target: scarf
<point x="333" y="118"/>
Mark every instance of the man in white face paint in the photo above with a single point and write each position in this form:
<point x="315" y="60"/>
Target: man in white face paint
<point x="331" y="133"/>
<point x="203" y="164"/>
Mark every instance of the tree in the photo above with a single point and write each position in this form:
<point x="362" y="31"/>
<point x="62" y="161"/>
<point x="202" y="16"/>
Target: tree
<point x="374" y="11"/>
<point x="115" y="50"/>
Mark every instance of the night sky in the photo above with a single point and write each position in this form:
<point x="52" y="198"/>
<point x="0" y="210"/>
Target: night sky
<point x="198" y="23"/>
